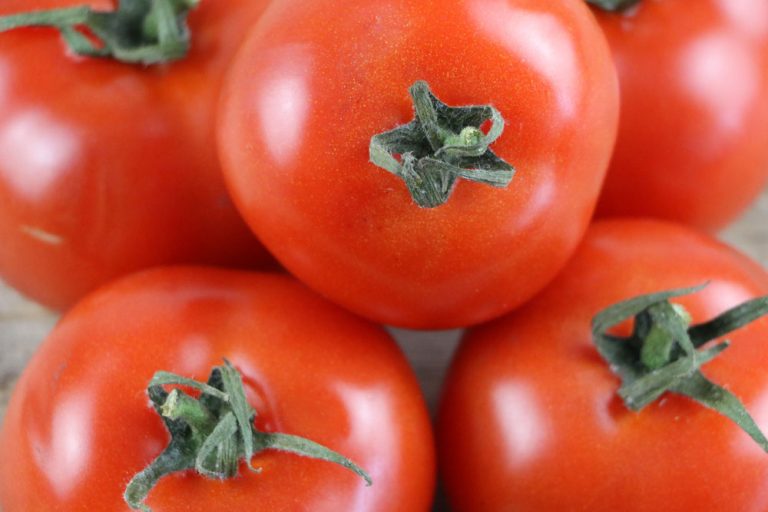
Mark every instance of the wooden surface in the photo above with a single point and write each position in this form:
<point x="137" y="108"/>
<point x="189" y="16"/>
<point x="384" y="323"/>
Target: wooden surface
<point x="23" y="325"/>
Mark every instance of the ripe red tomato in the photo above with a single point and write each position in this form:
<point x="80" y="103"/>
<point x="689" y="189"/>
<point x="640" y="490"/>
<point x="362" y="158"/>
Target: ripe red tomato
<point x="693" y="134"/>
<point x="106" y="168"/>
<point x="80" y="425"/>
<point x="530" y="419"/>
<point x="307" y="92"/>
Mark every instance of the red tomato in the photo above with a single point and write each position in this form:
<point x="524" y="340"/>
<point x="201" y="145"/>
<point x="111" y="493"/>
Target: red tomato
<point x="306" y="94"/>
<point x="80" y="425"/>
<point x="693" y="135"/>
<point x="106" y="168"/>
<point x="530" y="419"/>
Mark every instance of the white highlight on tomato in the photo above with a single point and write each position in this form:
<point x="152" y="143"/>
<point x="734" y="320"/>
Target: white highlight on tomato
<point x="553" y="56"/>
<point x="66" y="449"/>
<point x="284" y="104"/>
<point x="519" y="414"/>
<point x="36" y="152"/>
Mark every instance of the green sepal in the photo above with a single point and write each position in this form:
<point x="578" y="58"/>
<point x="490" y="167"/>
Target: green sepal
<point x="723" y="401"/>
<point x="165" y="378"/>
<point x="664" y="352"/>
<point x="441" y="145"/>
<point x="243" y="412"/>
<point x="214" y="433"/>
<point x="305" y="448"/>
<point x="735" y="318"/>
<point x="137" y="32"/>
<point x="175" y="458"/>
<point x="217" y="457"/>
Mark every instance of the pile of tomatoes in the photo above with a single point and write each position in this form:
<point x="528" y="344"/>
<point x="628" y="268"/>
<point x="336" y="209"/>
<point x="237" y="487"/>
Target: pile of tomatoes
<point x="248" y="190"/>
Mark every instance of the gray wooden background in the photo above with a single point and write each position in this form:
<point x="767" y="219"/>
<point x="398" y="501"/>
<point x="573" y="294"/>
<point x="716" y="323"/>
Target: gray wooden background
<point x="23" y="325"/>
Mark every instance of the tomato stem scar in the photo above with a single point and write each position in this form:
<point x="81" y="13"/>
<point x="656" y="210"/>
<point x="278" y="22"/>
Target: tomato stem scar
<point x="137" y="32"/>
<point x="212" y="434"/>
<point x="664" y="352"/>
<point x="441" y="145"/>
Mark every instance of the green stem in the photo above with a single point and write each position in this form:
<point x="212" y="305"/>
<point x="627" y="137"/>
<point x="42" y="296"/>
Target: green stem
<point x="212" y="434"/>
<point x="661" y="354"/>
<point x="659" y="327"/>
<point x="614" y="5"/>
<point x="137" y="32"/>
<point x="180" y="406"/>
<point x="441" y="145"/>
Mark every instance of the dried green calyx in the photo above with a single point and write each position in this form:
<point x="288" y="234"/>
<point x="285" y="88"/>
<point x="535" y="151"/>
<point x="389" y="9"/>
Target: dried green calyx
<point x="137" y="32"/>
<point x="441" y="145"/>
<point x="665" y="353"/>
<point x="214" y="433"/>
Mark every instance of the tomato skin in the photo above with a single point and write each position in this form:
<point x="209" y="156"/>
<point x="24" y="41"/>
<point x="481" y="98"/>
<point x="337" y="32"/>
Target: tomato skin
<point x="693" y="134"/>
<point x="530" y="420"/>
<point x="79" y="424"/>
<point x="107" y="168"/>
<point x="301" y="103"/>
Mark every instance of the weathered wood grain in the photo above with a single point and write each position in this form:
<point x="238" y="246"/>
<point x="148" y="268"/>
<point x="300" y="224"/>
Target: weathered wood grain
<point x="22" y="326"/>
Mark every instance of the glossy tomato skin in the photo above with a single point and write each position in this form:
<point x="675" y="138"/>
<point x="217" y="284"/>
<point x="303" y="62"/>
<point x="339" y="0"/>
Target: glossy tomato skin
<point x="693" y="134"/>
<point x="79" y="424"/>
<point x="530" y="420"/>
<point x="306" y="93"/>
<point x="106" y="168"/>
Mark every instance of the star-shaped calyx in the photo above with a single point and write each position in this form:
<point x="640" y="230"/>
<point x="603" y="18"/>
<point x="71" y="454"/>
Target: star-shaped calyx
<point x="135" y="32"/>
<point x="211" y="434"/>
<point x="665" y="352"/>
<point x="441" y="145"/>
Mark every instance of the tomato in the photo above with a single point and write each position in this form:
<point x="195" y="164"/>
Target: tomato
<point x="693" y="134"/>
<point x="530" y="419"/>
<point x="106" y="168"/>
<point x="307" y="93"/>
<point x="80" y="425"/>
